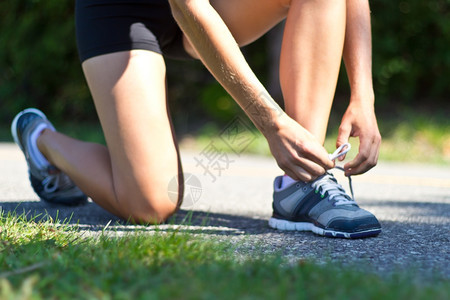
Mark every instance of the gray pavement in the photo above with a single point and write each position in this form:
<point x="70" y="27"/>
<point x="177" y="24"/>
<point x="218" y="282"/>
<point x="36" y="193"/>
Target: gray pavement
<point x="231" y="200"/>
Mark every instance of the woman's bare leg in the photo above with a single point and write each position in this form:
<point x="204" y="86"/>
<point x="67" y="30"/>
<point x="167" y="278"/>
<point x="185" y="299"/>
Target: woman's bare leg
<point x="247" y="19"/>
<point x="130" y="176"/>
<point x="311" y="50"/>
<point x="310" y="60"/>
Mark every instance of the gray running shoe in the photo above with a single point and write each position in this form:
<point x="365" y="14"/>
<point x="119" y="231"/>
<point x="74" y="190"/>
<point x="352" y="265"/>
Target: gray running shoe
<point x="48" y="182"/>
<point x="323" y="207"/>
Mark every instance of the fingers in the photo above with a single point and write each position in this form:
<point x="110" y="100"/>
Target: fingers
<point x="316" y="154"/>
<point x="302" y="169"/>
<point x="306" y="162"/>
<point x="297" y="152"/>
<point x="366" y="159"/>
<point x="299" y="175"/>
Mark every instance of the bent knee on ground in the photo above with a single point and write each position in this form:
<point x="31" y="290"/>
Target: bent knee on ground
<point x="146" y="206"/>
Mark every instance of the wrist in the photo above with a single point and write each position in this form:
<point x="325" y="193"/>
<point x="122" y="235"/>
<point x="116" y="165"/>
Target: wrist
<point x="277" y="124"/>
<point x="265" y="113"/>
<point x="363" y="96"/>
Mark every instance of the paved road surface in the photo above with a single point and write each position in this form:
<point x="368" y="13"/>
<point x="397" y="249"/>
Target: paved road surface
<point x="231" y="200"/>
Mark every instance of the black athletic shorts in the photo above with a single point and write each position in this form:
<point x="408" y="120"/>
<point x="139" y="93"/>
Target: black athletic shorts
<point x="107" y="26"/>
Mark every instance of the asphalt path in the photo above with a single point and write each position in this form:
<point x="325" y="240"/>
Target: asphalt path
<point x="228" y="197"/>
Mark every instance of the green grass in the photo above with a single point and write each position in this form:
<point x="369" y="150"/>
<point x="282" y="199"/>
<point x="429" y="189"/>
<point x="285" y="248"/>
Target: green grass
<point x="46" y="259"/>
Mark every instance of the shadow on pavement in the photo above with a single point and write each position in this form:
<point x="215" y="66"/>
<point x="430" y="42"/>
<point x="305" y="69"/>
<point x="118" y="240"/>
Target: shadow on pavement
<point x="429" y="219"/>
<point x="91" y="217"/>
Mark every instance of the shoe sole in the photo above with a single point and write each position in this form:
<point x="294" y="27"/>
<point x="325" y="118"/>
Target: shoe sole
<point x="304" y="226"/>
<point x="16" y="119"/>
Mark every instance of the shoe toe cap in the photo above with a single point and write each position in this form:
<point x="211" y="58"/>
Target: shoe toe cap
<point x="368" y="222"/>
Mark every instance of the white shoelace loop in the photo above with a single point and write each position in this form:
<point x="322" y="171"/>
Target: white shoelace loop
<point x="343" y="149"/>
<point x="55" y="180"/>
<point x="50" y="183"/>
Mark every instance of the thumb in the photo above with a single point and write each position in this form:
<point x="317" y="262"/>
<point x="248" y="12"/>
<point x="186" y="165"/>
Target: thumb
<point x="343" y="136"/>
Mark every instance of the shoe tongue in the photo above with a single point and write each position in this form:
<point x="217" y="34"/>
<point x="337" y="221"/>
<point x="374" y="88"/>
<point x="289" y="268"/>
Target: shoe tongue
<point x="328" y="178"/>
<point x="339" y="195"/>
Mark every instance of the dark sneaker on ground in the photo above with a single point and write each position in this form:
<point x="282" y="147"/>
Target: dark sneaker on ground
<point x="48" y="182"/>
<point x="323" y="207"/>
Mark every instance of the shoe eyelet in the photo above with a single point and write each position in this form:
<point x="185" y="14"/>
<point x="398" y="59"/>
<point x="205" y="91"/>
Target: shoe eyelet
<point x="297" y="185"/>
<point x="305" y="189"/>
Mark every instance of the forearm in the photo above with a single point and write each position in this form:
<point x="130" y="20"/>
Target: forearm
<point x="358" y="50"/>
<point x="220" y="53"/>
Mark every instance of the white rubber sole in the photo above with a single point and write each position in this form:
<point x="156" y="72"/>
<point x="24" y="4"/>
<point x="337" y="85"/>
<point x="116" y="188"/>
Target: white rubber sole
<point x="304" y="226"/>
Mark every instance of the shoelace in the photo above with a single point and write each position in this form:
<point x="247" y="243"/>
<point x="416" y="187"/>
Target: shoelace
<point x="328" y="184"/>
<point x="50" y="183"/>
<point x="343" y="149"/>
<point x="55" y="180"/>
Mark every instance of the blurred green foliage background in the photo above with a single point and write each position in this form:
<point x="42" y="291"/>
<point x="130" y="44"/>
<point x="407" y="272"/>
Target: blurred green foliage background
<point x="39" y="64"/>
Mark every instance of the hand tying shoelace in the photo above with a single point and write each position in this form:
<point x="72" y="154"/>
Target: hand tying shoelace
<point x="328" y="183"/>
<point x="321" y="206"/>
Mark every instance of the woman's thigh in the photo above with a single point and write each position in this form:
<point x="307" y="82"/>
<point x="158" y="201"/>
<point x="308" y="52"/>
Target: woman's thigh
<point x="250" y="19"/>
<point x="247" y="19"/>
<point x="129" y="91"/>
